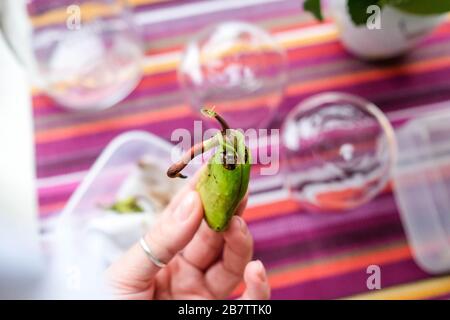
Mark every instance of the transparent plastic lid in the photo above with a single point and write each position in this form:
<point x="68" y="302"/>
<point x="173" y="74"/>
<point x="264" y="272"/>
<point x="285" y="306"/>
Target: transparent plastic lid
<point x="422" y="189"/>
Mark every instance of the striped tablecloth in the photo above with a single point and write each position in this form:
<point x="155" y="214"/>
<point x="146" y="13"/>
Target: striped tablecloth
<point x="308" y="255"/>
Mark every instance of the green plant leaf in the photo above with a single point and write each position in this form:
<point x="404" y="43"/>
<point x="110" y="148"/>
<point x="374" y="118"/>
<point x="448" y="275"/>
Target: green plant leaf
<point x="358" y="10"/>
<point x="421" y="7"/>
<point x="314" y="7"/>
<point x="128" y="205"/>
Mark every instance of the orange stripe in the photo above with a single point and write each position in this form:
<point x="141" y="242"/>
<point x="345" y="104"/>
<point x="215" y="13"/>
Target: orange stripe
<point x="136" y="119"/>
<point x="431" y="288"/>
<point x="300" y="25"/>
<point x="137" y="3"/>
<point x="47" y="209"/>
<point x="41" y="101"/>
<point x="315" y="51"/>
<point x="443" y="29"/>
<point x="153" y="81"/>
<point x="89" y="11"/>
<point x="274" y="30"/>
<point x="325" y="269"/>
<point x="273" y="209"/>
<point x="110" y="124"/>
<point x="157" y="81"/>
<point x="368" y="75"/>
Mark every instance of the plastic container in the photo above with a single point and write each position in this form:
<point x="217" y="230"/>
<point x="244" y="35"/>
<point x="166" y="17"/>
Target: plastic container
<point x="422" y="189"/>
<point x="84" y="254"/>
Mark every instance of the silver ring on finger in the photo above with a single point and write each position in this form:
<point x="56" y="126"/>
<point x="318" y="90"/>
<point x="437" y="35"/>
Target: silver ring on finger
<point x="150" y="254"/>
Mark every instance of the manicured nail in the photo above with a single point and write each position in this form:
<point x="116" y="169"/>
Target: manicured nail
<point x="261" y="272"/>
<point x="242" y="225"/>
<point x="185" y="208"/>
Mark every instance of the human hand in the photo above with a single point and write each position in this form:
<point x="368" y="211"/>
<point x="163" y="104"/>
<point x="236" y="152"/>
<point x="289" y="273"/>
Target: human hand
<point x="210" y="265"/>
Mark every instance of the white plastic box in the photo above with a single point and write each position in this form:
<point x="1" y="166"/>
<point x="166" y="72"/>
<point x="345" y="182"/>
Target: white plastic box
<point x="83" y="254"/>
<point x="422" y="189"/>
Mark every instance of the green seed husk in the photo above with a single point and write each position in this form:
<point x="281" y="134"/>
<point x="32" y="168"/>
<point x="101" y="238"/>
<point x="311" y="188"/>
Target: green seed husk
<point x="224" y="181"/>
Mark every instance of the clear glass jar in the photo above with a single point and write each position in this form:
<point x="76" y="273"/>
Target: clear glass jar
<point x="238" y="69"/>
<point x="87" y="54"/>
<point x="340" y="151"/>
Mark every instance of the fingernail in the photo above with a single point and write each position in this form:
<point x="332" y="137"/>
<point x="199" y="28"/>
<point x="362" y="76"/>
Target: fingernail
<point x="242" y="225"/>
<point x="184" y="209"/>
<point x="261" y="271"/>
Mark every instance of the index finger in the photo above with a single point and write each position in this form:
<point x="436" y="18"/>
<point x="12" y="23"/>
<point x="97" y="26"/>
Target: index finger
<point x="189" y="186"/>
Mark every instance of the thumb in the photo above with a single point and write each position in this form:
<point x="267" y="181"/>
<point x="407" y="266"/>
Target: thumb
<point x="256" y="282"/>
<point x="172" y="232"/>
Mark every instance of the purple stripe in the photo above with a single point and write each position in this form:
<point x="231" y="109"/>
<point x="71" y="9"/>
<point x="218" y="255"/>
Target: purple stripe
<point x="319" y="245"/>
<point x="420" y="95"/>
<point x="351" y="283"/>
<point x="162" y="5"/>
<point x="96" y="143"/>
<point x="434" y="49"/>
<point x="441" y="297"/>
<point x="296" y="227"/>
<point x="187" y="26"/>
<point x="39" y="7"/>
<point x="51" y="110"/>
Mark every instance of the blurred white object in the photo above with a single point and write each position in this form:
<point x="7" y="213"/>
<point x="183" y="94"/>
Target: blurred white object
<point x="422" y="189"/>
<point x="18" y="216"/>
<point x="118" y="232"/>
<point x="399" y="32"/>
<point x="16" y="29"/>
<point x="21" y="264"/>
<point x="20" y="258"/>
<point x="17" y="167"/>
